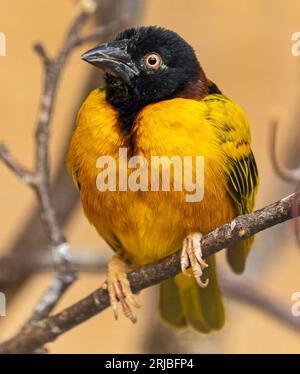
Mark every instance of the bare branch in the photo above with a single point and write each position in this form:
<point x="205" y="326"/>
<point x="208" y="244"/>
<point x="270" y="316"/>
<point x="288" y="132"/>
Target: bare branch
<point x="297" y="220"/>
<point x="32" y="238"/>
<point x="14" y="165"/>
<point x="34" y="336"/>
<point x="90" y="261"/>
<point x="83" y="260"/>
<point x="40" y="50"/>
<point x="64" y="275"/>
<point x="52" y="76"/>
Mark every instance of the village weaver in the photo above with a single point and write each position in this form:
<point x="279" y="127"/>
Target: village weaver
<point x="157" y="100"/>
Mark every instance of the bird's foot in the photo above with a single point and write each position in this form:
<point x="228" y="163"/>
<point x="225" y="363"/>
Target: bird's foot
<point x="119" y="288"/>
<point x="191" y="255"/>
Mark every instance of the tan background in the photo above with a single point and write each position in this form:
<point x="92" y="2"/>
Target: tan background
<point x="244" y="46"/>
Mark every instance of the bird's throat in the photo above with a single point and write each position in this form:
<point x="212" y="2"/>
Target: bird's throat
<point x="125" y="100"/>
<point x="122" y="98"/>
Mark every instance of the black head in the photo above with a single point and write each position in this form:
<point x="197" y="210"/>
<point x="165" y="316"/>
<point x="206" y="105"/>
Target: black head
<point x="145" y="65"/>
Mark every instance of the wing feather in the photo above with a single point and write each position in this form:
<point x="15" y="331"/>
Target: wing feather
<point x="233" y="132"/>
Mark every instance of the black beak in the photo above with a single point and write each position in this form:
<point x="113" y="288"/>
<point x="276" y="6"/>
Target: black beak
<point x="114" y="59"/>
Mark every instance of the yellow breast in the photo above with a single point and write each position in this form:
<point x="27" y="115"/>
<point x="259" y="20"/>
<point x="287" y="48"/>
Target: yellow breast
<point x="148" y="225"/>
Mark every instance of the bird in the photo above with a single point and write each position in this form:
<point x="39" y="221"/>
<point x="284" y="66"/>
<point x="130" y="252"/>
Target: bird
<point x="156" y="100"/>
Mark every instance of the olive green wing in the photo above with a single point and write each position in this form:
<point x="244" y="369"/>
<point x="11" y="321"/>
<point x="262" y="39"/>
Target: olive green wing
<point x="242" y="182"/>
<point x="233" y="134"/>
<point x="242" y="186"/>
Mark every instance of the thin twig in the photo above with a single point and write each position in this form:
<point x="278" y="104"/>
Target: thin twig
<point x="83" y="260"/>
<point x="52" y="76"/>
<point x="36" y="335"/>
<point x="13" y="164"/>
<point x="289" y="175"/>
<point x="64" y="275"/>
<point x="40" y="50"/>
<point x="32" y="239"/>
<point x="39" y="179"/>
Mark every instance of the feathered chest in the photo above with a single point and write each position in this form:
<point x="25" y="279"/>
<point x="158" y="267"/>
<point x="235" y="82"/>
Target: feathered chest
<point x="136" y="185"/>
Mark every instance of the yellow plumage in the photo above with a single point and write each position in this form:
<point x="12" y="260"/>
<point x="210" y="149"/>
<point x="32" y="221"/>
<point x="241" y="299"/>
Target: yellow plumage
<point x="146" y="226"/>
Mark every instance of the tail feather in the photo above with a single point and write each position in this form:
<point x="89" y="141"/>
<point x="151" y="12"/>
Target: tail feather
<point x="237" y="254"/>
<point x="183" y="302"/>
<point x="170" y="305"/>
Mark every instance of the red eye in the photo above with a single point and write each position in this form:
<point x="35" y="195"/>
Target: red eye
<point x="153" y="61"/>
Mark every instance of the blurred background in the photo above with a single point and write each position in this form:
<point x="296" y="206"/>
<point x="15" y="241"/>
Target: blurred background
<point x="245" y="47"/>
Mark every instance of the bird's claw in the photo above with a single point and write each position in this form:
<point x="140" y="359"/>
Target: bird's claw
<point x="119" y="289"/>
<point x="191" y="255"/>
